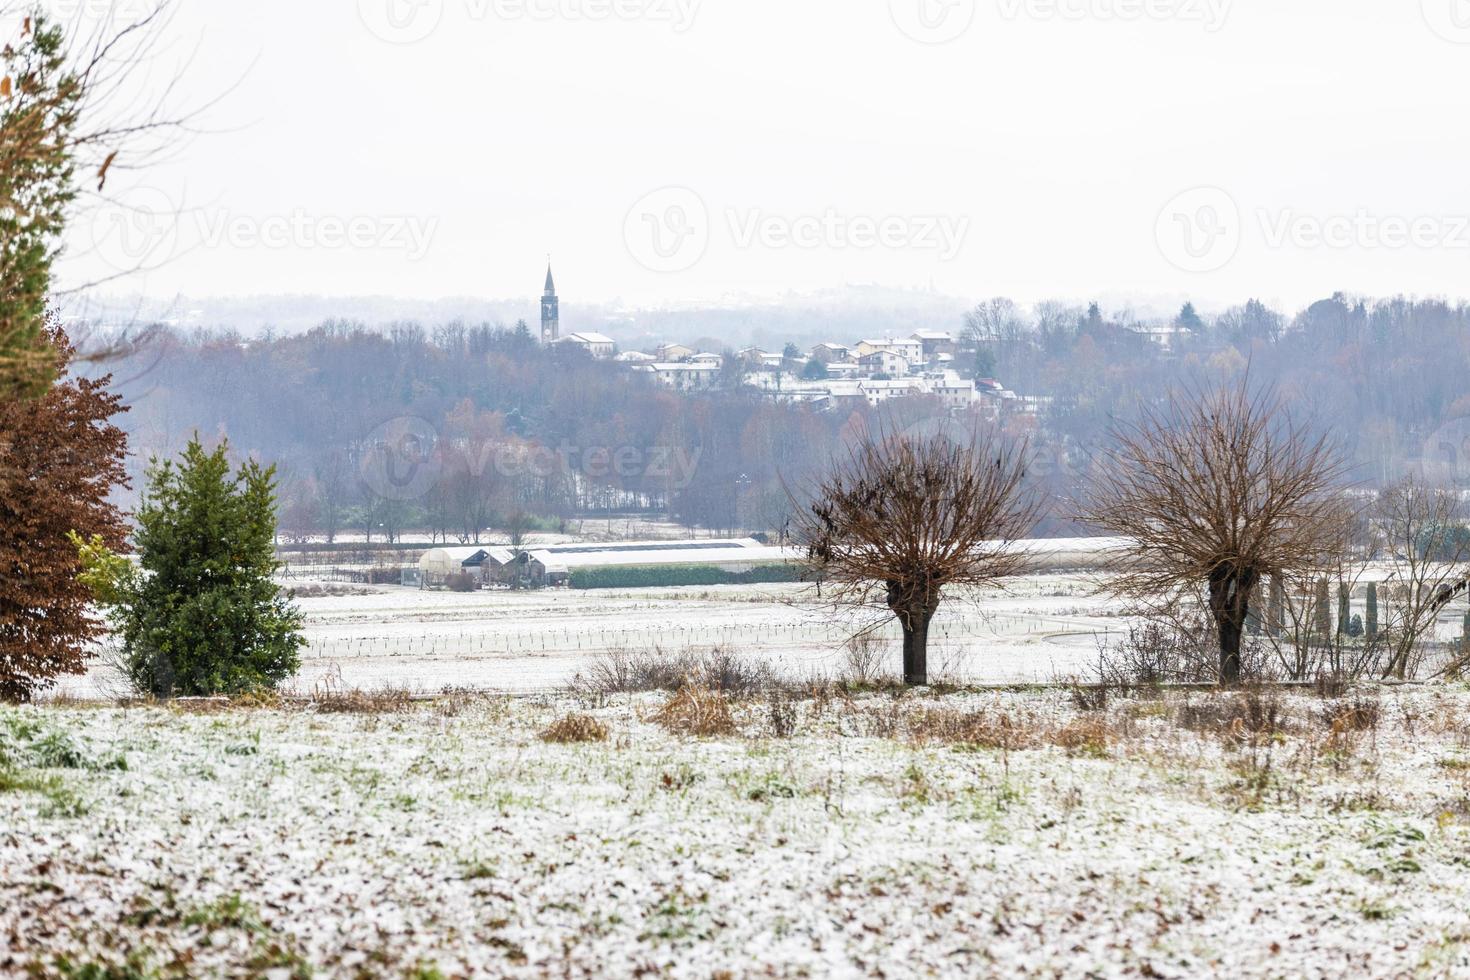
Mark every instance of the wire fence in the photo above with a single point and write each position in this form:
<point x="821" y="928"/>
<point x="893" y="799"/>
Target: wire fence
<point x="489" y="639"/>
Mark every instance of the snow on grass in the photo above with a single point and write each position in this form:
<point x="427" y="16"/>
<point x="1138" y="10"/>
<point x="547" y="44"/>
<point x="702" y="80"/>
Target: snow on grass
<point x="1009" y="833"/>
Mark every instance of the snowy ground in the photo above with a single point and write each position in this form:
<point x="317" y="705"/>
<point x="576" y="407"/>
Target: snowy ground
<point x="1040" y="628"/>
<point x="976" y="834"/>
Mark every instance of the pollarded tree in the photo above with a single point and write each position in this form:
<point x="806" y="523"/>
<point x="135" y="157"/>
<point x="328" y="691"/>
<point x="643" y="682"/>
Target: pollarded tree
<point x="904" y="517"/>
<point x="1216" y="491"/>
<point x="202" y="615"/>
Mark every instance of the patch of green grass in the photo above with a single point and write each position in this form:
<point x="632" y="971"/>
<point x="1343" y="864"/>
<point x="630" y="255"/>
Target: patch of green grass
<point x="135" y="966"/>
<point x="226" y="912"/>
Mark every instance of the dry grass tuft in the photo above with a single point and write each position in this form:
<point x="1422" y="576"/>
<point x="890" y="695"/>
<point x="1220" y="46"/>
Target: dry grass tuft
<point x="573" y="729"/>
<point x="696" y="710"/>
<point x="1235" y="716"/>
<point x="1357" y="715"/>
<point x="335" y="701"/>
<point x="977" y="728"/>
<point x="1085" y="736"/>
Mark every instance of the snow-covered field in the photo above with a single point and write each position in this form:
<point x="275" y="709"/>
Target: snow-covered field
<point x="1040" y="628"/>
<point x="975" y="834"/>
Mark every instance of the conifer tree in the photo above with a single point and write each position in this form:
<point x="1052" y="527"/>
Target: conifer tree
<point x="1371" y="621"/>
<point x="202" y="614"/>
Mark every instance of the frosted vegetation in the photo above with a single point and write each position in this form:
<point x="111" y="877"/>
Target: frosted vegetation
<point x="774" y="830"/>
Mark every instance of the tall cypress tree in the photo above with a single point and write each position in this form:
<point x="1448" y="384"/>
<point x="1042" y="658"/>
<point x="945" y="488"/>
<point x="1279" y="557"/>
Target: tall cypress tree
<point x="203" y="615"/>
<point x="1372" y="618"/>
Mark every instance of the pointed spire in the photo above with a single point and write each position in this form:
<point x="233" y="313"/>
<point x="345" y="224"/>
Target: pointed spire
<point x="550" y="286"/>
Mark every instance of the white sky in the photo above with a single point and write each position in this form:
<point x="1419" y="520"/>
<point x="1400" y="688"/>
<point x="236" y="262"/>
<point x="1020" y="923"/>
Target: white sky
<point x="1053" y="133"/>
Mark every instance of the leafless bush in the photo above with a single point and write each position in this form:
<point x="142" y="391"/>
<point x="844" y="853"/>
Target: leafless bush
<point x="575" y="728"/>
<point x="1234" y="717"/>
<point x="624" y="672"/>
<point x="864" y="657"/>
<point x="460" y="582"/>
<point x="696" y="710"/>
<point x="1172" y="648"/>
<point x="782" y="714"/>
<point x="1360" y="714"/>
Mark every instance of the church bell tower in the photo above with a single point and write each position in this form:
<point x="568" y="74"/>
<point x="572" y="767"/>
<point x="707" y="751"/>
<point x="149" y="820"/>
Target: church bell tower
<point x="550" y="313"/>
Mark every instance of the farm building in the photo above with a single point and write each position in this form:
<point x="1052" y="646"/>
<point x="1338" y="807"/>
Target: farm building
<point x="438" y="564"/>
<point x="661" y="562"/>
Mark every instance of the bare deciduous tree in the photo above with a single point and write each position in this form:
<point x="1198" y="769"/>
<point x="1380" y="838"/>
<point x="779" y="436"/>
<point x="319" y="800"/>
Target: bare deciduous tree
<point x="904" y="517"/>
<point x="1216" y="491"/>
<point x="1427" y="552"/>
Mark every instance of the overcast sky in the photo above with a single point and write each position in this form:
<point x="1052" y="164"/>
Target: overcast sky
<point x="673" y="150"/>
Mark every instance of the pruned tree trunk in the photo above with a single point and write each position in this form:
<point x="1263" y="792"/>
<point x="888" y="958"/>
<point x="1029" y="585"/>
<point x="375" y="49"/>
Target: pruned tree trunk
<point x="916" y="648"/>
<point x="1230" y="593"/>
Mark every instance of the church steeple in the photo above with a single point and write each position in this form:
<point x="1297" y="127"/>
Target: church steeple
<point x="550" y="312"/>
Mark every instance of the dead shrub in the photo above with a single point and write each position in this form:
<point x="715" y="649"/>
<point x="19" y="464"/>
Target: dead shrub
<point x="1357" y="715"/>
<point x="624" y="672"/>
<point x="1246" y="713"/>
<point x="1090" y="697"/>
<point x="574" y="729"/>
<point x="782" y="714"/>
<point x="1085" y="736"/>
<point x="696" y="710"/>
<point x="977" y="728"/>
<point x="355" y="701"/>
<point x="864" y="660"/>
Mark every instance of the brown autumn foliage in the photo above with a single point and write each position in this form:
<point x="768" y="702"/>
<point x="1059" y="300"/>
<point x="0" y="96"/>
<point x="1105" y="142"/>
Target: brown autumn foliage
<point x="60" y="458"/>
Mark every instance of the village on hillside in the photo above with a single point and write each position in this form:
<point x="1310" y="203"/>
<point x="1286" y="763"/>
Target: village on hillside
<point x="829" y="375"/>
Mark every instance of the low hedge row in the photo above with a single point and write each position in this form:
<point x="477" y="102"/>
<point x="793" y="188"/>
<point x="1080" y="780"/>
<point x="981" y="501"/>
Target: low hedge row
<point x="657" y="576"/>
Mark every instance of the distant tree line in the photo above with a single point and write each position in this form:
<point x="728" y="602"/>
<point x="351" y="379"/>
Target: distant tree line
<point x="520" y="437"/>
